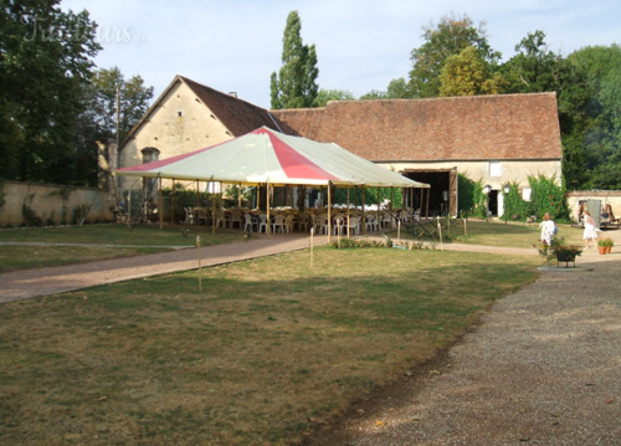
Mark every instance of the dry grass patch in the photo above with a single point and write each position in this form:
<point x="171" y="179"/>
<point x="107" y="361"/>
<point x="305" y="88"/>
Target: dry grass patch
<point x="269" y="348"/>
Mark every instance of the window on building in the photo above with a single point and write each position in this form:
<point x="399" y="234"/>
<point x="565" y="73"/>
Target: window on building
<point x="495" y="169"/>
<point x="150" y="154"/>
<point x="526" y="193"/>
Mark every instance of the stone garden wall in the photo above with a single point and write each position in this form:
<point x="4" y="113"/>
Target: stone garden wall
<point x="32" y="204"/>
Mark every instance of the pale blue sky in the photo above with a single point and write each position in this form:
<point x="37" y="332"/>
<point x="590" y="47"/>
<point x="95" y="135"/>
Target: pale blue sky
<point x="235" y="45"/>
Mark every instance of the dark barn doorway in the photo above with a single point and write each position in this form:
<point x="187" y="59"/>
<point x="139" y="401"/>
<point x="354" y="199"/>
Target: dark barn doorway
<point x="442" y="192"/>
<point x="492" y="203"/>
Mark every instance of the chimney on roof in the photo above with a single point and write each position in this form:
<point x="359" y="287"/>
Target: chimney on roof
<point x="233" y="93"/>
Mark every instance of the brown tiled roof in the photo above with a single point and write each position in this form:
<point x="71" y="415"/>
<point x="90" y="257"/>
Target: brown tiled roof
<point x="239" y="116"/>
<point x="499" y="127"/>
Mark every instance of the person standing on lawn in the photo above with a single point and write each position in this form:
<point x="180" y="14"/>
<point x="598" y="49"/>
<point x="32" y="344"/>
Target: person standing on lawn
<point x="590" y="231"/>
<point x="548" y="229"/>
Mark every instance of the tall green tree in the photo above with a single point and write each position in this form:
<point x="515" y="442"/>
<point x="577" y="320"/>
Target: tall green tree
<point x="467" y="74"/>
<point x="133" y="102"/>
<point x="98" y="120"/>
<point x="45" y="62"/>
<point x="450" y="37"/>
<point x="534" y="68"/>
<point x="590" y="106"/>
<point x="295" y="86"/>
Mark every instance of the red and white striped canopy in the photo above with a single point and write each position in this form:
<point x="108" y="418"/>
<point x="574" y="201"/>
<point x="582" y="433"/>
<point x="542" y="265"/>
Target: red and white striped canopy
<point x="266" y="156"/>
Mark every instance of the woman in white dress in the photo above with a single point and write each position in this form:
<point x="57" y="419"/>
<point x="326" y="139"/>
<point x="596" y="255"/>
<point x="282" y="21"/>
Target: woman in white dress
<point x="548" y="229"/>
<point x="590" y="231"/>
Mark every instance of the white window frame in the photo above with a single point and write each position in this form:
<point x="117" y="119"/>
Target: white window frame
<point x="495" y="169"/>
<point x="527" y="192"/>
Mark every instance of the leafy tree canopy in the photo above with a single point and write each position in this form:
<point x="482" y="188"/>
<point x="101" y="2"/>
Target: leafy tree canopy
<point x="325" y="96"/>
<point x="46" y="58"/>
<point x="397" y="89"/>
<point x="534" y="68"/>
<point x="451" y="36"/>
<point x="467" y="74"/>
<point x="98" y="120"/>
<point x="133" y="101"/>
<point x="590" y="109"/>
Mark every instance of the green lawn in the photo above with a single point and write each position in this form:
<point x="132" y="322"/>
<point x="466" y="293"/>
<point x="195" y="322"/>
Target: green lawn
<point x="149" y="238"/>
<point x="513" y="235"/>
<point x="109" y="241"/>
<point x="270" y="348"/>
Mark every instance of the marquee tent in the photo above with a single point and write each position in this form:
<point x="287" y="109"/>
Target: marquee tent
<point x="265" y="156"/>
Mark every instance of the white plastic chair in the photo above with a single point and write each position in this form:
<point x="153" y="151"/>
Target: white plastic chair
<point x="236" y="218"/>
<point x="370" y="223"/>
<point x="262" y="223"/>
<point x="220" y="218"/>
<point x="249" y="223"/>
<point x="303" y="222"/>
<point x="189" y="216"/>
<point x="339" y="225"/>
<point x="278" y="222"/>
<point x="201" y="215"/>
<point x="289" y="223"/>
<point x="320" y="223"/>
<point x="386" y="221"/>
<point x="354" y="225"/>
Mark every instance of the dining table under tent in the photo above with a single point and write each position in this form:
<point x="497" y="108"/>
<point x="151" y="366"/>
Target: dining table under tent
<point x="267" y="158"/>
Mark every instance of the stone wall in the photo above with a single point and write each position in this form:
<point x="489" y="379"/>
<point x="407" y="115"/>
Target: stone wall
<point x="32" y="204"/>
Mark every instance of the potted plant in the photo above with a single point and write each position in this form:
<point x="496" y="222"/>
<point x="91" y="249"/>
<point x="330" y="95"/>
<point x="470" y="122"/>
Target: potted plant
<point x="564" y="253"/>
<point x="601" y="245"/>
<point x="606" y="243"/>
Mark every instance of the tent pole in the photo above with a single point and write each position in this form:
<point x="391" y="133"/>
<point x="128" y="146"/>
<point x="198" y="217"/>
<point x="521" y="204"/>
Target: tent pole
<point x="144" y="199"/>
<point x="329" y="211"/>
<point x="268" y="227"/>
<point x="392" y="205"/>
<point x="420" y="206"/>
<point x="239" y="197"/>
<point x="196" y="194"/>
<point x="348" y="211"/>
<point x="428" y="194"/>
<point x="221" y="197"/>
<point x="172" y="204"/>
<point x="160" y="205"/>
<point x="364" y="218"/>
<point x="379" y="206"/>
<point x="213" y="212"/>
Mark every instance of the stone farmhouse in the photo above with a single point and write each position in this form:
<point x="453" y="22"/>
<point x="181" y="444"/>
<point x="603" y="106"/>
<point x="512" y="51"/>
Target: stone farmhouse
<point x="496" y="139"/>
